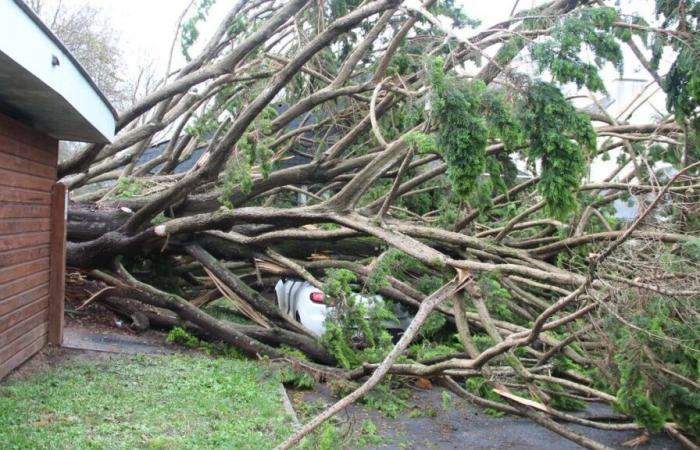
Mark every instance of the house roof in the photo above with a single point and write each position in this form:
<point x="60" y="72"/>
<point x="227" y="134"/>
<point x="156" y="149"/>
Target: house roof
<point x="43" y="85"/>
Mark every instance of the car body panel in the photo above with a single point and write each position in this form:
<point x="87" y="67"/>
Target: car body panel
<point x="294" y="301"/>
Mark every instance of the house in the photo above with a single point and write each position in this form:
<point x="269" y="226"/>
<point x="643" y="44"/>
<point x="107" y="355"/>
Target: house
<point x="45" y="96"/>
<point x="187" y="163"/>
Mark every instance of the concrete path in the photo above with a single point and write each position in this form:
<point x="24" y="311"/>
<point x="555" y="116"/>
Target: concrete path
<point x="112" y="342"/>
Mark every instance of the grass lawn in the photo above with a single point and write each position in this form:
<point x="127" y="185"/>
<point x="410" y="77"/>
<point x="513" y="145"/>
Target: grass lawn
<point x="154" y="402"/>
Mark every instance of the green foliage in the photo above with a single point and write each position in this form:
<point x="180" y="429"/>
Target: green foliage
<point x="355" y="331"/>
<point x="561" y="55"/>
<point x="561" y="138"/>
<point x="427" y="349"/>
<point x="428" y="411"/>
<point x="447" y="401"/>
<point x="296" y="378"/>
<point x="159" y="219"/>
<point x="339" y="8"/>
<point x="329" y="437"/>
<point x="392" y="263"/>
<point x="369" y="435"/>
<point x="633" y="401"/>
<point x="337" y="434"/>
<point x="480" y="387"/>
<point x="335" y="339"/>
<point x="397" y="120"/>
<point x="224" y="309"/>
<point x="691" y="249"/>
<point x="190" y="32"/>
<point x="387" y="400"/>
<point x="428" y="284"/>
<point x="684" y="405"/>
<point x="430" y="199"/>
<point x="293" y="352"/>
<point x="423" y="143"/>
<point x="383" y="268"/>
<point x="462" y="135"/>
<point x="482" y="342"/>
<point x="203" y="125"/>
<point x="256" y="144"/>
<point x="510" y="49"/>
<point x="238" y="27"/>
<point x="253" y="148"/>
<point x="561" y="401"/>
<point x="665" y="333"/>
<point x="391" y="400"/>
<point x="433" y="324"/>
<point x="401" y="64"/>
<point x="236" y="175"/>
<point x="379" y="189"/>
<point x="468" y="116"/>
<point x="500" y="118"/>
<point x="181" y="337"/>
<point x="338" y="282"/>
<point x="682" y="84"/>
<point x="128" y="188"/>
<point x="496" y="296"/>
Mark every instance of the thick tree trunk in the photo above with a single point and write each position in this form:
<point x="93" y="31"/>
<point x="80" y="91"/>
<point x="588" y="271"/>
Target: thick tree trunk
<point x="166" y="320"/>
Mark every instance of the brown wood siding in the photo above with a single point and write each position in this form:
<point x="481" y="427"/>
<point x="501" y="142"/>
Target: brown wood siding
<point x="27" y="175"/>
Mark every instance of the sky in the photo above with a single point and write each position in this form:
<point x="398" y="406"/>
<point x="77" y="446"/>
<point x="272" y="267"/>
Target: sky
<point x="146" y="29"/>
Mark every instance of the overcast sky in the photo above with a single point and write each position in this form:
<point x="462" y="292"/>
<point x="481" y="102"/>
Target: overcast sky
<point x="146" y="27"/>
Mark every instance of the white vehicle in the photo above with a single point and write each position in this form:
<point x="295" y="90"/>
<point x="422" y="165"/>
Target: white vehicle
<point x="301" y="301"/>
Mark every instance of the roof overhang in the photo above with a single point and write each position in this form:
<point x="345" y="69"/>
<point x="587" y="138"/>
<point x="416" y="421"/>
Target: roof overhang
<point x="43" y="85"/>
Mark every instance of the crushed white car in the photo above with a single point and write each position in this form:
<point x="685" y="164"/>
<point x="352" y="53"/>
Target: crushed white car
<point x="301" y="301"/>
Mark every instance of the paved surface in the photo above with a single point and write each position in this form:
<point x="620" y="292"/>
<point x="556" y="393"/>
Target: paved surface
<point x="436" y="419"/>
<point x="456" y="424"/>
<point x="112" y="342"/>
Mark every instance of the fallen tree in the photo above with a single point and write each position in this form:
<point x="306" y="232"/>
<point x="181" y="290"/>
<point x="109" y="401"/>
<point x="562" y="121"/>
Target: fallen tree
<point x="362" y="146"/>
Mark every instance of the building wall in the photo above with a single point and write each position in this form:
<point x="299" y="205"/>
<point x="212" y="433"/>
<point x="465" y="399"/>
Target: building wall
<point x="27" y="175"/>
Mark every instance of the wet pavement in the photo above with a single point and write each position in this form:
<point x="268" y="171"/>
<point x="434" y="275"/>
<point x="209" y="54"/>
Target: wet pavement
<point x="435" y="420"/>
<point x="446" y="422"/>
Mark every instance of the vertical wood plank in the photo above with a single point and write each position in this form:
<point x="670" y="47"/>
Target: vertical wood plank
<point x="58" y="263"/>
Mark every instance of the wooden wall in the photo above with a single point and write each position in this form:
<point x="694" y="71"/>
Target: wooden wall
<point x="27" y="177"/>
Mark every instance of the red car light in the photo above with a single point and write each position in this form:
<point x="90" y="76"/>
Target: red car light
<point x="317" y="297"/>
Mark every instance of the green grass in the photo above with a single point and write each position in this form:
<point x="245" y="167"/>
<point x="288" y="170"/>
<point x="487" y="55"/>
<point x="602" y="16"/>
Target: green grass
<point x="141" y="402"/>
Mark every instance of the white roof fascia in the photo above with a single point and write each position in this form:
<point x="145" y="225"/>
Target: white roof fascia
<point x="31" y="45"/>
